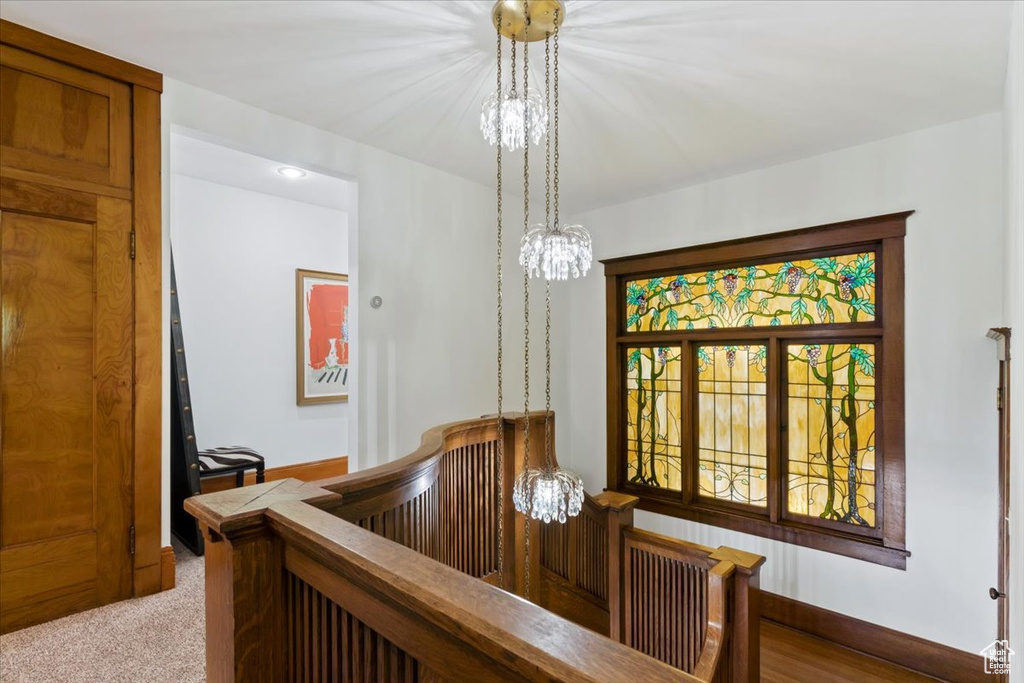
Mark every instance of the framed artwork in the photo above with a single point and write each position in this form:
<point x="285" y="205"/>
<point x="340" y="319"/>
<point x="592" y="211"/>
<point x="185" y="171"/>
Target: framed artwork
<point x="322" y="337"/>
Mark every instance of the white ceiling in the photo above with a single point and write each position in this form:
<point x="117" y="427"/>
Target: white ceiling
<point x="654" y="94"/>
<point x="208" y="161"/>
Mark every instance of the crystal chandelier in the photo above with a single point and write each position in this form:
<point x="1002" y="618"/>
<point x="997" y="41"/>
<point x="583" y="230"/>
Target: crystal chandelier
<point x="513" y="111"/>
<point x="546" y="493"/>
<point x="556" y="251"/>
<point x="508" y="114"/>
<point x="552" y="248"/>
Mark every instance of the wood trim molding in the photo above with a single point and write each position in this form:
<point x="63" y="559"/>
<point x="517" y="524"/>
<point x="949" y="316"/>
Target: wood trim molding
<point x="49" y="46"/>
<point x="303" y="471"/>
<point x="795" y="534"/>
<point x="149" y="340"/>
<point x="917" y="654"/>
<point x="166" y="568"/>
<point x="843" y="233"/>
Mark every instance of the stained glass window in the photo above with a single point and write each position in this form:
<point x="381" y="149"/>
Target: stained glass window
<point x="775" y="359"/>
<point x="731" y="430"/>
<point x="831" y="432"/>
<point x="834" y="289"/>
<point x="653" y="416"/>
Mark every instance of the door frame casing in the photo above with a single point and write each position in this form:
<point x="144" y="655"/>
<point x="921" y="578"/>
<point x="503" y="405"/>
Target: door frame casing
<point x="147" y="421"/>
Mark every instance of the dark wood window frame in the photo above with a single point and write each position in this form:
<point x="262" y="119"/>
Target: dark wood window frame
<point x="885" y="543"/>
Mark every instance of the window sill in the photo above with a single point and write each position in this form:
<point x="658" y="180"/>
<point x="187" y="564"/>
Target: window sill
<point x="867" y="549"/>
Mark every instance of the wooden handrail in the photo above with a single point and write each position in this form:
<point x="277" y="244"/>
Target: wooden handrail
<point x="432" y="446"/>
<point x="692" y="553"/>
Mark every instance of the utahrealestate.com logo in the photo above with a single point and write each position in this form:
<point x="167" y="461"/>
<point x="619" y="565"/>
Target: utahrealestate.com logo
<point x="997" y="657"/>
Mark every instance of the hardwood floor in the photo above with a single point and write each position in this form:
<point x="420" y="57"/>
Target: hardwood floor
<point x="788" y="656"/>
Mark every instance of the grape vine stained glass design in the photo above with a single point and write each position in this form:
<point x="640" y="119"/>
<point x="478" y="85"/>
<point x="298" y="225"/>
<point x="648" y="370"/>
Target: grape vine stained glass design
<point x="653" y="416"/>
<point x="731" y="429"/>
<point x="833" y="289"/>
<point x="831" y="432"/>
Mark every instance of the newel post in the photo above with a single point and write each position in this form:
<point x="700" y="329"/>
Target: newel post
<point x="619" y="508"/>
<point x="246" y="633"/>
<point x="746" y="611"/>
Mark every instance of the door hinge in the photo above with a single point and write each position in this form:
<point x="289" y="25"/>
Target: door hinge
<point x="131" y="248"/>
<point x="131" y="540"/>
<point x="999" y="398"/>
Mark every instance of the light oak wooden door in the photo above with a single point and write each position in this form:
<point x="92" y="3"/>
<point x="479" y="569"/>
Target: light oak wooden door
<point x="66" y="379"/>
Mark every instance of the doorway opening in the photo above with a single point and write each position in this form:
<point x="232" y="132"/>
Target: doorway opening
<point x="262" y="330"/>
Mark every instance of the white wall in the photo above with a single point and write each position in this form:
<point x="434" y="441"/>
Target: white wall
<point x="235" y="254"/>
<point x="1013" y="120"/>
<point x="421" y="239"/>
<point x="952" y="176"/>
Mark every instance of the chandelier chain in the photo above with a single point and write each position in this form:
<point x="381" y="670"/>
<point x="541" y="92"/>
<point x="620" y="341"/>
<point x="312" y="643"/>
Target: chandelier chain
<point x="555" y="122"/>
<point x="547" y="282"/>
<point x="526" y="288"/>
<point x="547" y="131"/>
<point x="547" y="374"/>
<point x="501" y="421"/>
<point x="545" y="493"/>
<point x="512" y="90"/>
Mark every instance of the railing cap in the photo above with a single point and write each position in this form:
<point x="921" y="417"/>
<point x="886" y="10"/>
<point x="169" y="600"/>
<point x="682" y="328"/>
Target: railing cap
<point x="620" y="502"/>
<point x="744" y="561"/>
<point x="234" y="512"/>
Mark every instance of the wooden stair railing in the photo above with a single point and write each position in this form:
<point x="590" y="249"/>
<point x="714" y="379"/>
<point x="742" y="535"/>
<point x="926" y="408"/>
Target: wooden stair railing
<point x="667" y="581"/>
<point x="684" y="604"/>
<point x="297" y="594"/>
<point x="442" y="500"/>
<point x="575" y="562"/>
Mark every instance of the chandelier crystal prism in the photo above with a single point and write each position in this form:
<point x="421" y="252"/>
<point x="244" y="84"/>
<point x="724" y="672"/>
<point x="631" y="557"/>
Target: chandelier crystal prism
<point x="550" y="495"/>
<point x="557" y="252"/>
<point x="518" y="114"/>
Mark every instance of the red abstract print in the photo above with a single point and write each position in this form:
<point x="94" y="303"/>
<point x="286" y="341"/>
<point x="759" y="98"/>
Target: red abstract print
<point x="326" y="305"/>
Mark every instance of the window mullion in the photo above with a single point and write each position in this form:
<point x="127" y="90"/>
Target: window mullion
<point x="688" y="431"/>
<point x="776" y="430"/>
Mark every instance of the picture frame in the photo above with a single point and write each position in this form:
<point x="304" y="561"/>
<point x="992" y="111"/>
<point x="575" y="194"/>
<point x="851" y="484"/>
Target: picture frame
<point x="321" y="337"/>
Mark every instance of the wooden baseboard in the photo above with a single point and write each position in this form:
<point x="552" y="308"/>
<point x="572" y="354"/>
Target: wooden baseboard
<point x="166" y="568"/>
<point x="910" y="652"/>
<point x="305" y="471"/>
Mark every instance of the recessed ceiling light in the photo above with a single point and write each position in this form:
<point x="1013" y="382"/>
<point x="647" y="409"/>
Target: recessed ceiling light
<point x="291" y="172"/>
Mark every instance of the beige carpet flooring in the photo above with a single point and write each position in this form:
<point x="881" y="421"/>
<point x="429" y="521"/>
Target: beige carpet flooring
<point x="156" y="639"/>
